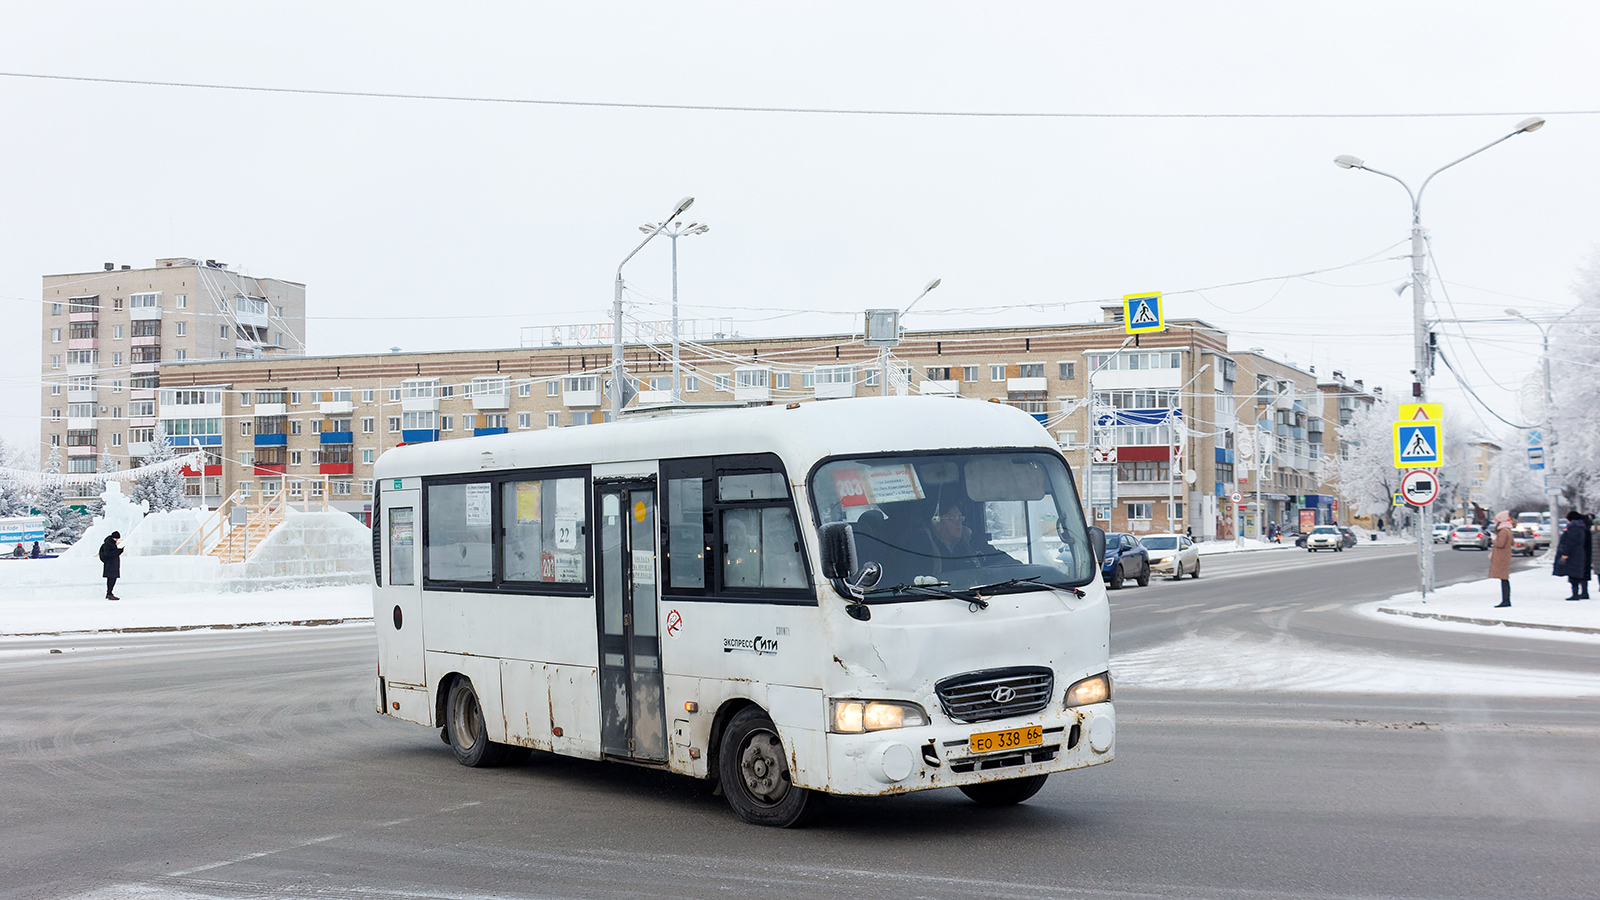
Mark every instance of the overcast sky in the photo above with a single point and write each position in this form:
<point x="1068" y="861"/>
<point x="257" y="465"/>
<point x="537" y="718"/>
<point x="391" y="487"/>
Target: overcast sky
<point x="435" y="225"/>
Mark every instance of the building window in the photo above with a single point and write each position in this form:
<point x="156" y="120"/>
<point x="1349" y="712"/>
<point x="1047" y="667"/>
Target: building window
<point x="367" y="424"/>
<point x="580" y="418"/>
<point x="447" y="423"/>
<point x="1069" y="371"/>
<point x="341" y="488"/>
<point x="55" y="335"/>
<point x="872" y="377"/>
<point x="116" y="357"/>
<point x="183" y="329"/>
<point x="1144" y="470"/>
<point x="294" y="457"/>
<point x="552" y="388"/>
<point x="116" y="302"/>
<point x="394" y="395"/>
<point x="55" y="309"/>
<point x="719" y="382"/>
<point x="525" y="389"/>
<point x="1067" y="439"/>
<point x="55" y="390"/>
<point x="367" y="456"/>
<point x="55" y="361"/>
<point x="780" y="380"/>
<point x="552" y="420"/>
<point x="116" y="332"/>
<point x="524" y="420"/>
<point x="394" y="424"/>
<point x="691" y="384"/>
<point x="294" y="426"/>
<point x="366" y="487"/>
<point x="116" y="439"/>
<point x="1176" y="512"/>
<point x="469" y="422"/>
<point x="244" y="398"/>
<point x="294" y="398"/>
<point x="183" y="301"/>
<point x="55" y="440"/>
<point x="997" y="373"/>
<point x="244" y="429"/>
<point x="1030" y="370"/>
<point x="181" y="355"/>
<point x="1141" y="511"/>
<point x="366" y="396"/>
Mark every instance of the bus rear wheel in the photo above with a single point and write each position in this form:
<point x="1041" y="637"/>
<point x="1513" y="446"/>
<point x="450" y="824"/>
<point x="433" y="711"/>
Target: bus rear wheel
<point x="465" y="730"/>
<point x="1004" y="793"/>
<point x="754" y="770"/>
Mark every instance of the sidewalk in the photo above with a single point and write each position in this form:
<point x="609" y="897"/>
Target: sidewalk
<point x="155" y="611"/>
<point x="1539" y="607"/>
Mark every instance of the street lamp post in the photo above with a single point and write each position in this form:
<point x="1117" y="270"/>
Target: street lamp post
<point x="882" y="328"/>
<point x="1172" y="452"/>
<point x="677" y="230"/>
<point x="1549" y="412"/>
<point x="616" y="312"/>
<point x="1421" y="351"/>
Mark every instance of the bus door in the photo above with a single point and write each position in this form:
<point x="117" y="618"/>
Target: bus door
<point x="399" y="612"/>
<point x="633" y="721"/>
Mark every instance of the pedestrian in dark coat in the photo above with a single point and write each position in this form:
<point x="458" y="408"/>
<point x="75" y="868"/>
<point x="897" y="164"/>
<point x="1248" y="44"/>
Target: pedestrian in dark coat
<point x="1570" y="554"/>
<point x="111" y="557"/>
<point x="34" y="553"/>
<point x="1588" y="555"/>
<point x="1500" y="556"/>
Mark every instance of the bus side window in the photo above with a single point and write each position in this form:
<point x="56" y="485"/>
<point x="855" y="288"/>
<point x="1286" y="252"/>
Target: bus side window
<point x="460" y="545"/>
<point x="542" y="529"/>
<point x="730" y="530"/>
<point x="761" y="549"/>
<point x="686" y="540"/>
<point x="402" y="545"/>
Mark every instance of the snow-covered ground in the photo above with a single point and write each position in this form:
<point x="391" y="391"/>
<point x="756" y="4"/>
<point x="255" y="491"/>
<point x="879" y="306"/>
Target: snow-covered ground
<point x="140" y="610"/>
<point x="1211" y="548"/>
<point x="1539" y="608"/>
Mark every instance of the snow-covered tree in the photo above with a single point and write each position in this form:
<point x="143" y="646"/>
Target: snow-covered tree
<point x="1511" y="485"/>
<point x="163" y="489"/>
<point x="63" y="523"/>
<point x="1575" y="380"/>
<point x="13" y="493"/>
<point x="1365" y="475"/>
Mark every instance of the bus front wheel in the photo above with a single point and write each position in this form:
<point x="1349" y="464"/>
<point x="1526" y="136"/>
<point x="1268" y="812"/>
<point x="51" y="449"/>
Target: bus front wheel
<point x="754" y="770"/>
<point x="1004" y="793"/>
<point x="464" y="728"/>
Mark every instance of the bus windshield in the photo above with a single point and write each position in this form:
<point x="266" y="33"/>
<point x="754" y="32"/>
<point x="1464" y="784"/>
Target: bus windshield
<point x="960" y="520"/>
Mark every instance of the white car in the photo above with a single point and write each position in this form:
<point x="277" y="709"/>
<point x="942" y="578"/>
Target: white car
<point x="1325" y="537"/>
<point x="1441" y="532"/>
<point x="1173" y="555"/>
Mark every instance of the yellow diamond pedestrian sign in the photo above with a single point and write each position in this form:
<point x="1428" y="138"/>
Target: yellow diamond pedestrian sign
<point x="1141" y="313"/>
<point x="1417" y="445"/>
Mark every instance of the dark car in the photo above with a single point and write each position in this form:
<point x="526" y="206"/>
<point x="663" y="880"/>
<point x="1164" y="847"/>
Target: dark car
<point x="1349" y="537"/>
<point x="1125" y="558"/>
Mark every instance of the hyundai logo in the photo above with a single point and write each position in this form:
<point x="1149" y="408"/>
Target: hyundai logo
<point x="1003" y="694"/>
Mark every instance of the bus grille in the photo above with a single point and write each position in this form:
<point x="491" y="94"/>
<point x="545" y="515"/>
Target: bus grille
<point x="996" y="693"/>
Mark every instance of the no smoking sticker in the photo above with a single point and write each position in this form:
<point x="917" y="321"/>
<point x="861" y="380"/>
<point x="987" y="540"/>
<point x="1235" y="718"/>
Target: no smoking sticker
<point x="674" y="623"/>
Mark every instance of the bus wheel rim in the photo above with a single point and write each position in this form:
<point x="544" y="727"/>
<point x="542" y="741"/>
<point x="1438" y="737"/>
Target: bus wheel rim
<point x="761" y="764"/>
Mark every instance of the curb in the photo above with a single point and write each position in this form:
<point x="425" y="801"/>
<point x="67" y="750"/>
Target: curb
<point x="154" y="629"/>
<point x="1576" y="629"/>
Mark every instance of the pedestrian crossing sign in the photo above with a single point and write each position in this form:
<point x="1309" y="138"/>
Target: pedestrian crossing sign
<point x="1141" y="314"/>
<point x="1417" y="445"/>
<point x="1421" y="412"/>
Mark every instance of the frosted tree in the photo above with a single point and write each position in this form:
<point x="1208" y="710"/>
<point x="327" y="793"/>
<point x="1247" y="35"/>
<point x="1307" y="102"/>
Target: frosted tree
<point x="1365" y="476"/>
<point x="13" y="495"/>
<point x="1511" y="485"/>
<point x="1575" y="380"/>
<point x="63" y="523"/>
<point x="163" y="489"/>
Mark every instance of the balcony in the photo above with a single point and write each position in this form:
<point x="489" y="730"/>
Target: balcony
<point x="140" y="448"/>
<point x="82" y="395"/>
<point x="419" y="435"/>
<point x="87" y="315"/>
<point x="83" y="343"/>
<point x="272" y="409"/>
<point x="81" y="451"/>
<point x="79" y="423"/>
<point x="335" y="407"/>
<point x="654" y="398"/>
<point x="192" y="472"/>
<point x="88" y="368"/>
<point x="272" y="440"/>
<point x="1027" y="384"/>
<point x="501" y="400"/>
<point x="948" y="388"/>
<point x="147" y="340"/>
<point x="336" y="469"/>
<point x="144" y="313"/>
<point x="338" y="437"/>
<point x="139" y="368"/>
<point x="588" y="397"/>
<point x="195" y="440"/>
<point x="142" y="394"/>
<point x="270" y="469"/>
<point x="482" y="432"/>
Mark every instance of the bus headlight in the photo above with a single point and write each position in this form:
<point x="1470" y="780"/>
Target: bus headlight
<point x="1094" y="689"/>
<point x="857" y="716"/>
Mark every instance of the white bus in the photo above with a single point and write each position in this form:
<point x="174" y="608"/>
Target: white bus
<point x="857" y="597"/>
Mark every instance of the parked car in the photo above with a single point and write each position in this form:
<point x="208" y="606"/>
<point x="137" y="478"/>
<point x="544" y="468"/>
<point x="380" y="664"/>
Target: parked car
<point x="1324" y="537"/>
<point x="1125" y="558"/>
<point x="1441" y="532"/>
<point x="1172" y="555"/>
<point x="1469" y="536"/>
<point x="1349" y="536"/>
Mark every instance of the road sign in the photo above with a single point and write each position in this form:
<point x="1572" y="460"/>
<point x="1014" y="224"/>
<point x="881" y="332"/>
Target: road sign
<point x="1419" y="487"/>
<point x="1399" y="500"/>
<point x="1536" y="458"/>
<point x="1141" y="314"/>
<point x="1417" y="445"/>
<point x="1236" y="497"/>
<point x="1535" y="437"/>
<point x="1421" y="412"/>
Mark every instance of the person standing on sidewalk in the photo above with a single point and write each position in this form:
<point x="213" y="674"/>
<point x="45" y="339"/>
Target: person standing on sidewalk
<point x="1588" y="555"/>
<point x="1500" y="556"/>
<point x="111" y="557"/>
<point x="1570" y="554"/>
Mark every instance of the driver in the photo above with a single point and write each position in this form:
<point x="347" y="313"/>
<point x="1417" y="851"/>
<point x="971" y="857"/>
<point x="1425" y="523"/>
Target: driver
<point x="949" y="543"/>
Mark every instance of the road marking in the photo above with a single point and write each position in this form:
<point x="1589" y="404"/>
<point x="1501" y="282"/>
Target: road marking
<point x="1326" y="607"/>
<point x="1183" y="607"/>
<point x="1226" y="608"/>
<point x="1267" y="609"/>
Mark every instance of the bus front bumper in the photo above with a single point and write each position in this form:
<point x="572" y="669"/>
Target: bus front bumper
<point x="903" y="760"/>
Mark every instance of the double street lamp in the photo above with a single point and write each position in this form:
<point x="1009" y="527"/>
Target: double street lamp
<point x="1421" y="351"/>
<point x="1549" y="407"/>
<point x="677" y="230"/>
<point x="617" y="374"/>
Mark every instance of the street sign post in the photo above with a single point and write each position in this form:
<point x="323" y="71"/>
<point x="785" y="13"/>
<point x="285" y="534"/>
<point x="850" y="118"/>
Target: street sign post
<point x="1536" y="458"/>
<point x="1142" y="314"/>
<point x="1419" y="487"/>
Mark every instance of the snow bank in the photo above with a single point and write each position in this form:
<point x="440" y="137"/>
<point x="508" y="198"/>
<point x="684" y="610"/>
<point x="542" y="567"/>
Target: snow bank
<point x="1539" y="608"/>
<point x="145" y="608"/>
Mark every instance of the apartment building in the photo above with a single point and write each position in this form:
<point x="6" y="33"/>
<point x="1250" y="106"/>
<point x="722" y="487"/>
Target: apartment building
<point x="1341" y="399"/>
<point x="107" y="333"/>
<point x="1278" y="445"/>
<point x="1149" y="426"/>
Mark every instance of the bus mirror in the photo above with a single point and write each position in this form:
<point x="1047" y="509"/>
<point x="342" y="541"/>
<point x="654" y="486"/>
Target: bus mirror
<point x="838" y="550"/>
<point x="1097" y="541"/>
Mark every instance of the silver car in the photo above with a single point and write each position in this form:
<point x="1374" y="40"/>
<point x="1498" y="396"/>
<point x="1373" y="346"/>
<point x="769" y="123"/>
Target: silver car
<point x="1173" y="555"/>
<point x="1469" y="536"/>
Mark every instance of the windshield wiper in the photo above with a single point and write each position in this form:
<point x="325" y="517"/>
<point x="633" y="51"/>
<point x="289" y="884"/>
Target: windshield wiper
<point x="936" y="590"/>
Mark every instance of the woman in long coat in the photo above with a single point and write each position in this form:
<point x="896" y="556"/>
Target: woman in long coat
<point x="111" y="557"/>
<point x="1569" y="554"/>
<point x="1500" y="556"/>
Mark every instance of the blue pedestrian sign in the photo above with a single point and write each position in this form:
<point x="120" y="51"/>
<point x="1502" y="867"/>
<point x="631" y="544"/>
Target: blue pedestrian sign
<point x="1417" y="445"/>
<point x="1141" y="314"/>
<point x="1535" y="458"/>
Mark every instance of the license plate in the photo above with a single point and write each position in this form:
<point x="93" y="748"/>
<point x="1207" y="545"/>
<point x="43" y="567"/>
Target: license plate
<point x="1010" y="739"/>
